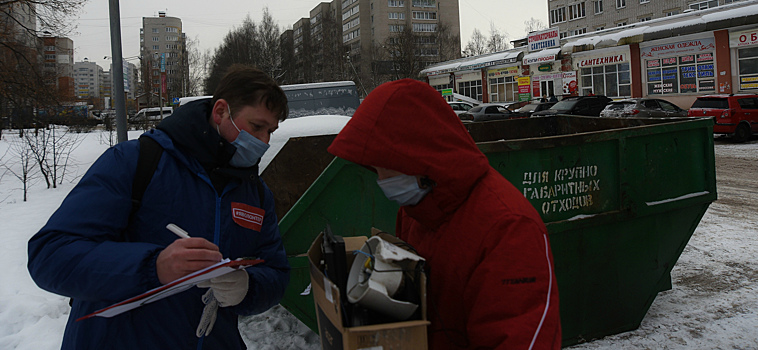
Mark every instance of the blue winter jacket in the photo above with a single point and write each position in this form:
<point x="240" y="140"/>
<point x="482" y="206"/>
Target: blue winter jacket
<point x="90" y="251"/>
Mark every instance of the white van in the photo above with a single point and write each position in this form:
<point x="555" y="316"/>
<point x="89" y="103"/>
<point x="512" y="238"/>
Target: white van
<point x="151" y="114"/>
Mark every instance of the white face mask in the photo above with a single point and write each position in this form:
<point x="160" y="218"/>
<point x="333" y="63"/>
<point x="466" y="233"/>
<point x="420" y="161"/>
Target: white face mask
<point x="403" y="189"/>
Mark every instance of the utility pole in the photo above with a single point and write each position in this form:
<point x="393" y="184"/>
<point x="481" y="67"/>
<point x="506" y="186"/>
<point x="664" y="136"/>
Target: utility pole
<point x="118" y="74"/>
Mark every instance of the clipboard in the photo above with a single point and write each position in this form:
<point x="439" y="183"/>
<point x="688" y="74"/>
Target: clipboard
<point x="219" y="269"/>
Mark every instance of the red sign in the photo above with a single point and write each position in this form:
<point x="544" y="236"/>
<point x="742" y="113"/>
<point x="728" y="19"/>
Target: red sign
<point x="163" y="83"/>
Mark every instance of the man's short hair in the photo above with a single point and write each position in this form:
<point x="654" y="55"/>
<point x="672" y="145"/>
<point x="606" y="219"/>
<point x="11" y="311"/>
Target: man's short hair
<point x="247" y="86"/>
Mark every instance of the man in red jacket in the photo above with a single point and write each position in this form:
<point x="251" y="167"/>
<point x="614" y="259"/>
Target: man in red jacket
<point x="491" y="275"/>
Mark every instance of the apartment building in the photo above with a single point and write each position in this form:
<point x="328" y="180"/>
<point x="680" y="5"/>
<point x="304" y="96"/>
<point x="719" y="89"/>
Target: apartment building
<point x="366" y="40"/>
<point x="163" y="56"/>
<point x="58" y="58"/>
<point x="575" y="17"/>
<point x="88" y="80"/>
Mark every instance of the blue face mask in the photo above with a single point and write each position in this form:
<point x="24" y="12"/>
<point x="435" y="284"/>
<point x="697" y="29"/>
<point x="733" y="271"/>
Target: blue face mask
<point x="403" y="189"/>
<point x="249" y="148"/>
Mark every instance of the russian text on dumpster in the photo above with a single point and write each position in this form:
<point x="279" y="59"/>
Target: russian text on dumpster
<point x="562" y="190"/>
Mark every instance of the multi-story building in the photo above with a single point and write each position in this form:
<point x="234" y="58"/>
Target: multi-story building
<point x="58" y="57"/>
<point x="373" y="41"/>
<point x="88" y="81"/>
<point x="130" y="74"/>
<point x="575" y="17"/>
<point x="164" y="58"/>
<point x="18" y="23"/>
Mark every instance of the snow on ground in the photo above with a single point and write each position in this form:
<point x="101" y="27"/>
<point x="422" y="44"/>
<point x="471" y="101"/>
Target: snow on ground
<point x="713" y="303"/>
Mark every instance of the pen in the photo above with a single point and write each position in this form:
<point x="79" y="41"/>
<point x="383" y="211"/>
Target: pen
<point x="178" y="231"/>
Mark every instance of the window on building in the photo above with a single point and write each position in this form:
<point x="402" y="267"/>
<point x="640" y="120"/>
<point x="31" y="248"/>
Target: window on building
<point x="156" y="47"/>
<point x="471" y="89"/>
<point x="620" y="4"/>
<point x="503" y="89"/>
<point x="599" y="28"/>
<point x="425" y="3"/>
<point x="155" y="38"/>
<point x="680" y="74"/>
<point x="578" y="31"/>
<point x="598" y="7"/>
<point x="348" y="13"/>
<point x="396" y="15"/>
<point x="155" y="30"/>
<point x="558" y="15"/>
<point x="621" y="24"/>
<point x="644" y="1"/>
<point x="613" y="80"/>
<point x="672" y="12"/>
<point x="576" y="11"/>
<point x="704" y="5"/>
<point x="646" y="18"/>
<point x="747" y="63"/>
<point x="424" y="27"/>
<point x="424" y="15"/>
<point x="396" y="3"/>
<point x="50" y="57"/>
<point x="172" y="38"/>
<point x="563" y="35"/>
<point x="396" y="28"/>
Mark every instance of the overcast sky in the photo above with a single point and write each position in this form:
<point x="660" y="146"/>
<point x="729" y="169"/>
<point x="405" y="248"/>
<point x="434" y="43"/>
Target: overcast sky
<point x="209" y="21"/>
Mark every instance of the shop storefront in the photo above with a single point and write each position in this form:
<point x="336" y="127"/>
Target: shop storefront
<point x="744" y="46"/>
<point x="680" y="67"/>
<point x="503" y="84"/>
<point x="545" y="72"/>
<point x="604" y="72"/>
<point x="441" y="81"/>
<point x="469" y="84"/>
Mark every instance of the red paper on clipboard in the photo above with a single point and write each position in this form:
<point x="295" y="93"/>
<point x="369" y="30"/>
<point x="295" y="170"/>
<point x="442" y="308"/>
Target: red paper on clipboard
<point x="221" y="268"/>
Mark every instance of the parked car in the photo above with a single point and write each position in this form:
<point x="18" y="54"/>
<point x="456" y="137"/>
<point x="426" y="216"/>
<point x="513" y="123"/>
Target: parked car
<point x="534" y="107"/>
<point x="460" y="107"/>
<point x="577" y="105"/>
<point x="735" y="115"/>
<point x="489" y="111"/>
<point x="642" y="108"/>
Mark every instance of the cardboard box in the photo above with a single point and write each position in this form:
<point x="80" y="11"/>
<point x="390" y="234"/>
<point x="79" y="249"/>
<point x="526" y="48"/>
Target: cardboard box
<point x="334" y="335"/>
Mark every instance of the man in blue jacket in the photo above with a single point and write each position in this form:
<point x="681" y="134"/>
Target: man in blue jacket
<point x="206" y="182"/>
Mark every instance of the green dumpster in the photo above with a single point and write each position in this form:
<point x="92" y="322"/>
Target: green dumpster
<point x="620" y="198"/>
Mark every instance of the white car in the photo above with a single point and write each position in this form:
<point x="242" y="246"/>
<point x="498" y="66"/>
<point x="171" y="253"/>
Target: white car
<point x="460" y="107"/>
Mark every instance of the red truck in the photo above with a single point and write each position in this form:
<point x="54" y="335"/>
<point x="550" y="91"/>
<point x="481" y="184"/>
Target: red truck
<point x="736" y="115"/>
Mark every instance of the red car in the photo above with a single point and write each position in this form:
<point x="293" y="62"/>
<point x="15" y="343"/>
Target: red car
<point x="736" y="115"/>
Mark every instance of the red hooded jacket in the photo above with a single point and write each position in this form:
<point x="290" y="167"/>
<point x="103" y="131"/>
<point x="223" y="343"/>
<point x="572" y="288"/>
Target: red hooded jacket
<point x="491" y="276"/>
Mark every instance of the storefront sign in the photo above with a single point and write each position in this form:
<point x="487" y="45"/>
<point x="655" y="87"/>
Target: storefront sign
<point x="539" y="59"/>
<point x="447" y="92"/>
<point x="600" y="61"/>
<point x="545" y="67"/>
<point x="748" y="83"/>
<point x="524" y="90"/>
<point x="570" y="83"/>
<point x="503" y="72"/>
<point x="544" y="39"/>
<point x="743" y="38"/>
<point x="682" y="47"/>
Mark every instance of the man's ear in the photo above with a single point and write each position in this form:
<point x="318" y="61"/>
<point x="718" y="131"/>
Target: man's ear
<point x="218" y="110"/>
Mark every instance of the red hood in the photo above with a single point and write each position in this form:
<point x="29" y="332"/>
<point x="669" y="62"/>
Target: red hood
<point x="407" y="126"/>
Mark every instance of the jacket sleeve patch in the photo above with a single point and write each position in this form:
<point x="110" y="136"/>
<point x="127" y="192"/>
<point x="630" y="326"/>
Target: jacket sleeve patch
<point x="248" y="216"/>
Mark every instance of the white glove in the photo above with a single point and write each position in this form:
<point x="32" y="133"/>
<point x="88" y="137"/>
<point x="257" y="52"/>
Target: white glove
<point x="209" y="314"/>
<point x="228" y="289"/>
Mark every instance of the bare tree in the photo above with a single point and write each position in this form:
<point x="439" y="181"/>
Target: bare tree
<point x="197" y="67"/>
<point x="477" y="45"/>
<point x="20" y="163"/>
<point x="533" y="25"/>
<point x="498" y="41"/>
<point x="23" y="84"/>
<point x="449" y="43"/>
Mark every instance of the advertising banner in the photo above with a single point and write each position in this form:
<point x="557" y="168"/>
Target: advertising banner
<point x="743" y="38"/>
<point x="570" y="83"/>
<point x="682" y="47"/>
<point x="544" y="39"/>
<point x="524" y="93"/>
